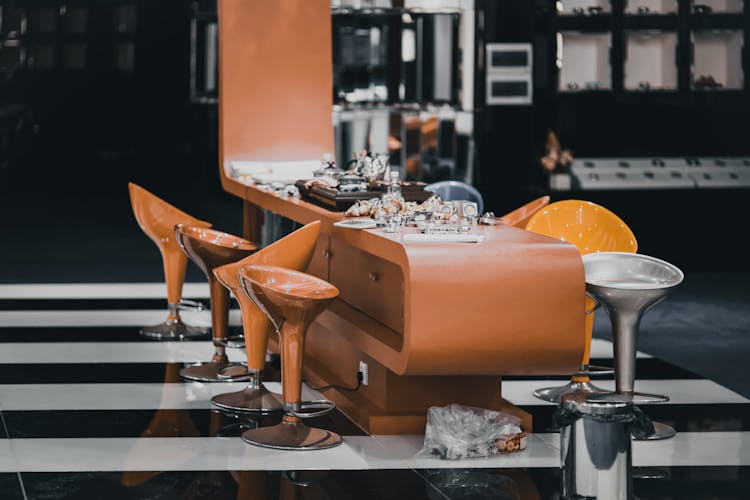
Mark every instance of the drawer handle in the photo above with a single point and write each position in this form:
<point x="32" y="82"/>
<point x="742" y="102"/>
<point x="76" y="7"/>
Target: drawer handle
<point x="326" y="253"/>
<point x="374" y="276"/>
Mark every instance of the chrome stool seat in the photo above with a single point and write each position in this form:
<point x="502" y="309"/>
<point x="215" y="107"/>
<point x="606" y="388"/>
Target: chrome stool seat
<point x="209" y="249"/>
<point x="626" y="285"/>
<point x="591" y="228"/>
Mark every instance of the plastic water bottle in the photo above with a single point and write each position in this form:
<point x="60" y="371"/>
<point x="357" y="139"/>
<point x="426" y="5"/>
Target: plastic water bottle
<point x="394" y="188"/>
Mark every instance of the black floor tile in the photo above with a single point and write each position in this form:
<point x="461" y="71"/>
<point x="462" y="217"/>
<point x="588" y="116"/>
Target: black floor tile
<point x="87" y="334"/>
<point x="81" y="304"/>
<point x="151" y="423"/>
<point x="72" y="334"/>
<point x="108" y="373"/>
<point x="10" y="486"/>
<point x="103" y="373"/>
<point x="234" y="485"/>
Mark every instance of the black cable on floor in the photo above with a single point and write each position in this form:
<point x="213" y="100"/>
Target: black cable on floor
<point x="340" y="387"/>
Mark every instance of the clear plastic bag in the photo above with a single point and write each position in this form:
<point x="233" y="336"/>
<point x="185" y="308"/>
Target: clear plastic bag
<point x="456" y="431"/>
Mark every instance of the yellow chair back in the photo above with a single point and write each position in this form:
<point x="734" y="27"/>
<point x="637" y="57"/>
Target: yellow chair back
<point x="588" y="226"/>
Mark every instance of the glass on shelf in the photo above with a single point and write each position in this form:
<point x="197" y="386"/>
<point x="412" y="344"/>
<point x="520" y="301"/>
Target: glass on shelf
<point x="650" y="60"/>
<point x="717" y="60"/>
<point x="583" y="61"/>
<point x="717" y="6"/>
<point x="651" y="7"/>
<point x="583" y="7"/>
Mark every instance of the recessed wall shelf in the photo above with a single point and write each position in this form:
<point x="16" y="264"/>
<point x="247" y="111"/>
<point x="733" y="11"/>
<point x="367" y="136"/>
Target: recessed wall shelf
<point x="717" y="60"/>
<point x="583" y="7"/>
<point x="651" y="7"/>
<point x="650" y="60"/>
<point x="717" y="6"/>
<point x="583" y="60"/>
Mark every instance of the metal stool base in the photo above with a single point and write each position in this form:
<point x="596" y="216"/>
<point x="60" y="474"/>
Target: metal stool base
<point x="292" y="436"/>
<point x="637" y="398"/>
<point x="173" y="330"/>
<point x="208" y="372"/>
<point x="661" y="431"/>
<point x="555" y="394"/>
<point x="249" y="400"/>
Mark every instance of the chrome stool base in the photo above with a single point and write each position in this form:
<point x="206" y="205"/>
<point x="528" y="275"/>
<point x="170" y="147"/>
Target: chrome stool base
<point x="661" y="431"/>
<point x="555" y="394"/>
<point x="249" y="400"/>
<point x="173" y="330"/>
<point x="292" y="436"/>
<point x="211" y="372"/>
<point x="637" y="398"/>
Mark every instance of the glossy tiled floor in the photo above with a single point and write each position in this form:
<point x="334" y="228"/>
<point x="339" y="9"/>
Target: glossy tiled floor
<point x="90" y="410"/>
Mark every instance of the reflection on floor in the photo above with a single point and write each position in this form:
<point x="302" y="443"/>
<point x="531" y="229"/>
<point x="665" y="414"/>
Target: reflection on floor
<point x="90" y="410"/>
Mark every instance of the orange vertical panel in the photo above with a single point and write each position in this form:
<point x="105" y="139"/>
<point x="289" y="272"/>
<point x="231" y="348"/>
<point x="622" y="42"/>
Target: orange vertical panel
<point x="275" y="80"/>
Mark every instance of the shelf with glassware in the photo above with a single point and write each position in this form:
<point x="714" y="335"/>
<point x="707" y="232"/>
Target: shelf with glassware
<point x="46" y="36"/>
<point x="646" y="46"/>
<point x="403" y="86"/>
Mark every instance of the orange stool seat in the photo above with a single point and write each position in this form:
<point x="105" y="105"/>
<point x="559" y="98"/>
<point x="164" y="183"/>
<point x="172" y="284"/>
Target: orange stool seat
<point x="291" y="300"/>
<point x="209" y="249"/>
<point x="157" y="219"/>
<point x="591" y="228"/>
<point x="293" y="251"/>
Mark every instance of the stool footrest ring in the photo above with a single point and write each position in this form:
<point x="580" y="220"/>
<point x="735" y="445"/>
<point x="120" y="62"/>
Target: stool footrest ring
<point x="593" y="370"/>
<point x="325" y="405"/>
<point x="236" y="342"/>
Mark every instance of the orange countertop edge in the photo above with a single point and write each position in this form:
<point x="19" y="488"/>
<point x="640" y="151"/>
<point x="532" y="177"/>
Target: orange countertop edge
<point x="513" y="302"/>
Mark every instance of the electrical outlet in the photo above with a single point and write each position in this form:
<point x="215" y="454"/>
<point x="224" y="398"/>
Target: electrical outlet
<point x="363" y="370"/>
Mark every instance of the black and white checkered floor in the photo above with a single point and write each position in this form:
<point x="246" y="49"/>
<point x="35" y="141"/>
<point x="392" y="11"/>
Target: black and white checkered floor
<point x="91" y="410"/>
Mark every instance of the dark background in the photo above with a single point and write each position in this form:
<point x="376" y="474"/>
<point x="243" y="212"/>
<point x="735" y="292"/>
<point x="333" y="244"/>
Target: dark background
<point x="100" y="124"/>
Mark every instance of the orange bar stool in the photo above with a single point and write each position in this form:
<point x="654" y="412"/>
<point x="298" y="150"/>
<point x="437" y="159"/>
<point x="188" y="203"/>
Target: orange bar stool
<point x="291" y="300"/>
<point x="157" y="219"/>
<point x="209" y="249"/>
<point x="591" y="228"/>
<point x="293" y="251"/>
<point x="520" y="216"/>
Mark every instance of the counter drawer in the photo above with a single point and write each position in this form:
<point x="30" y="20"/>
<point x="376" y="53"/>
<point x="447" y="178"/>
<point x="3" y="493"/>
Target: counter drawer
<point x="368" y="283"/>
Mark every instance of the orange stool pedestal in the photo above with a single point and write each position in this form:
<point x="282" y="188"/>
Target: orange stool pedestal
<point x="157" y="219"/>
<point x="294" y="251"/>
<point x="291" y="300"/>
<point x="209" y="249"/>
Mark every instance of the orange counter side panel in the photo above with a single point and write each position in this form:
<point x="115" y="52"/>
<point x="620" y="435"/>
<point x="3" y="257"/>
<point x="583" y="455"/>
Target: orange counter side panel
<point x="266" y="48"/>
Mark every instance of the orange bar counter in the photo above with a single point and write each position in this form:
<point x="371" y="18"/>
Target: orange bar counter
<point x="437" y="323"/>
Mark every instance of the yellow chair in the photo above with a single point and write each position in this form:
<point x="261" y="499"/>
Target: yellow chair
<point x="591" y="228"/>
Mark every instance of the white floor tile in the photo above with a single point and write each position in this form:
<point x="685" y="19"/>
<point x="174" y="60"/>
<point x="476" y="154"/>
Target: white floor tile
<point x="357" y="452"/>
<point x="402" y="452"/>
<point x="700" y="391"/>
<point x="695" y="448"/>
<point x="173" y="454"/>
<point x="112" y="352"/>
<point x="7" y="457"/>
<point x="194" y="395"/>
<point x="98" y="291"/>
<point x="117" y="317"/>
